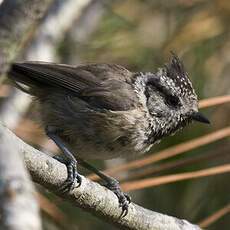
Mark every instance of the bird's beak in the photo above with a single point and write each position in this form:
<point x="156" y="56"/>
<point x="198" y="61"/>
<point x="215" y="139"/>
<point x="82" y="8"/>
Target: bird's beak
<point x="197" y="116"/>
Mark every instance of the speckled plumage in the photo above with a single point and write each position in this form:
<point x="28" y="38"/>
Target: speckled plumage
<point x="105" y="111"/>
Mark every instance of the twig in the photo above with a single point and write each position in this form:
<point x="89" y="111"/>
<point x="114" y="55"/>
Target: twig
<point x="156" y="181"/>
<point x="214" y="101"/>
<point x="179" y="163"/>
<point x="90" y="196"/>
<point x="215" y="216"/>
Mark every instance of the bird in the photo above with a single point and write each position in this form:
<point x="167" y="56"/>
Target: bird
<point x="104" y="111"/>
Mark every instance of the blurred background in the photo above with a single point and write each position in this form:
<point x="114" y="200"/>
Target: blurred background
<point x="140" y="34"/>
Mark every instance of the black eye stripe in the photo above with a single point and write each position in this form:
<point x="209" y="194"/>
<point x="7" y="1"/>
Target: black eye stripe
<point x="170" y="100"/>
<point x="155" y="84"/>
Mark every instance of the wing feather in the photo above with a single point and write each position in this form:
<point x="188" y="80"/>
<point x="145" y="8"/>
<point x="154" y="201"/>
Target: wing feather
<point x="103" y="86"/>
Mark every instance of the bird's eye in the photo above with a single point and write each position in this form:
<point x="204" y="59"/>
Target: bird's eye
<point x="173" y="101"/>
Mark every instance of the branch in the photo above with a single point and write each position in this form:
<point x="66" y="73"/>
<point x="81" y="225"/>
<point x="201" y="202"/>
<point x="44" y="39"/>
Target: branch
<point x="91" y="196"/>
<point x="18" y="206"/>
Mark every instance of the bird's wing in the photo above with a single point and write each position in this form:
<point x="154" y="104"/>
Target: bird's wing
<point x="104" y="86"/>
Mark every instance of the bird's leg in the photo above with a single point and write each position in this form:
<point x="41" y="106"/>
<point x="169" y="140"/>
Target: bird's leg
<point x="71" y="164"/>
<point x="69" y="161"/>
<point x="113" y="185"/>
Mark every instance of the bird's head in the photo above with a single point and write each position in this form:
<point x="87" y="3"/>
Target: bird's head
<point x="170" y="99"/>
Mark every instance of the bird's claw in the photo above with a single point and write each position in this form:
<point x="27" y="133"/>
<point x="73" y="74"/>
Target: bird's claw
<point x="123" y="198"/>
<point x="73" y="175"/>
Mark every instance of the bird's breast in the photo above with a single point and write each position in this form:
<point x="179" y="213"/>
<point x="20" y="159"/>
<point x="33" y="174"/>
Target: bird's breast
<point x="116" y="134"/>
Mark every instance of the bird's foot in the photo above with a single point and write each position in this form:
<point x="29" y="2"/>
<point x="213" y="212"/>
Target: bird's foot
<point x="123" y="198"/>
<point x="73" y="175"/>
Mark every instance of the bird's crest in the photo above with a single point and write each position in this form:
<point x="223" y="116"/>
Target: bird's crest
<point x="175" y="70"/>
